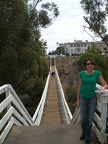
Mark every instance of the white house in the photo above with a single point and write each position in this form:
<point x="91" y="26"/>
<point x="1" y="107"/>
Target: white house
<point x="79" y="47"/>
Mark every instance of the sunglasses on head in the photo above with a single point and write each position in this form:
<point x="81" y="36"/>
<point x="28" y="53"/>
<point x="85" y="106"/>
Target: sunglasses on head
<point x="89" y="63"/>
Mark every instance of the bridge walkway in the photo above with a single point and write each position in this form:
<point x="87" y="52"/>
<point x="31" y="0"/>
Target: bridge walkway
<point x="53" y="128"/>
<point x="53" y="111"/>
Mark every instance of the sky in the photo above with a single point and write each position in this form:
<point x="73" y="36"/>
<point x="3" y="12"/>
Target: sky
<point x="68" y="26"/>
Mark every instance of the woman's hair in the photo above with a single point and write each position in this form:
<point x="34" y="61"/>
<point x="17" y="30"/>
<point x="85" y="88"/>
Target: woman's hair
<point x="90" y="59"/>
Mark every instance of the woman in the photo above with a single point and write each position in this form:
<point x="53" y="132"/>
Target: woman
<point x="86" y="97"/>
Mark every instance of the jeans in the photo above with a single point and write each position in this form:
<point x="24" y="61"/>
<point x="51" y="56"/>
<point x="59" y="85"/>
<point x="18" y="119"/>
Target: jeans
<point x="87" y="109"/>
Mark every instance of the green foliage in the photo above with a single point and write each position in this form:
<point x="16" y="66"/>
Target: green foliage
<point x="59" y="50"/>
<point x="21" y="51"/>
<point x="21" y="61"/>
<point x="8" y="65"/>
<point x="97" y="12"/>
<point x="12" y="14"/>
<point x="48" y="12"/>
<point x="44" y="20"/>
<point x="71" y="93"/>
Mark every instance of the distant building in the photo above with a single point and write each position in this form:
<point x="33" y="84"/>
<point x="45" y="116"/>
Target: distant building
<point x="101" y="45"/>
<point x="78" y="47"/>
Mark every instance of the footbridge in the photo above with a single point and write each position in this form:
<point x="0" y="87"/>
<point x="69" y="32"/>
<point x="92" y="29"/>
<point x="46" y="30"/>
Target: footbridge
<point x="52" y="122"/>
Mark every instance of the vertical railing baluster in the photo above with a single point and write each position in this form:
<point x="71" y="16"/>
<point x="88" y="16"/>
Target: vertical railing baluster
<point x="7" y="94"/>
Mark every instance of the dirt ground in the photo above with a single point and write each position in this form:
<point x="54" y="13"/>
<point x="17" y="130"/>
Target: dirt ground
<point x="67" y="70"/>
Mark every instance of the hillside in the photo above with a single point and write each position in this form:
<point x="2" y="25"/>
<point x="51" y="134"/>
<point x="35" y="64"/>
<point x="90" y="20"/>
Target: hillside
<point x="68" y="73"/>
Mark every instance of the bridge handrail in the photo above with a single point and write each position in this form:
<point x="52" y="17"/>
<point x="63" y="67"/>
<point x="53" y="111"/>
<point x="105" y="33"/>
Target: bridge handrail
<point x="67" y="111"/>
<point x="39" y="111"/>
<point x="100" y="117"/>
<point x="13" y="111"/>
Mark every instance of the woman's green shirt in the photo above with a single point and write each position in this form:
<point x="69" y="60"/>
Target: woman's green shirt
<point x="88" y="85"/>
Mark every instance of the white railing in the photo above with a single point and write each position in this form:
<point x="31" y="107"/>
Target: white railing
<point x="67" y="111"/>
<point x="100" y="117"/>
<point x="13" y="112"/>
<point x="76" y="116"/>
<point x="39" y="111"/>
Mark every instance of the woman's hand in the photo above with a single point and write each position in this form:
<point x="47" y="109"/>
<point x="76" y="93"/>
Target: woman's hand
<point x="102" y="89"/>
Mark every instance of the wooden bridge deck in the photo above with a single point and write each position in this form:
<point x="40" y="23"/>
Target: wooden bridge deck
<point x="52" y="114"/>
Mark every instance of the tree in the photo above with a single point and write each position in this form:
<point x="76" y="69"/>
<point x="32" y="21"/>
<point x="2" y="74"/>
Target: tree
<point x="21" y="61"/>
<point x="47" y="12"/>
<point x="59" y="49"/>
<point x="97" y="12"/>
<point x="21" y="49"/>
<point x="12" y="16"/>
